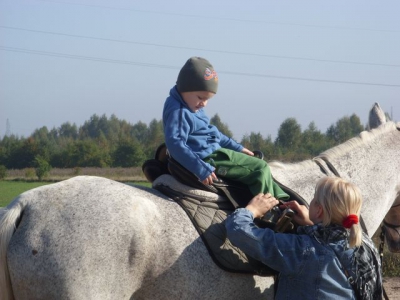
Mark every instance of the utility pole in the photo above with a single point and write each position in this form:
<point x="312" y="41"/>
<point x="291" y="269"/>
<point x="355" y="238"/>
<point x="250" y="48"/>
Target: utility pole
<point x="8" y="128"/>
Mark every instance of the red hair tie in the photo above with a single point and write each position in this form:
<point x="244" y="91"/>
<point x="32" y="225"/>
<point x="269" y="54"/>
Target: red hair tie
<point x="349" y="221"/>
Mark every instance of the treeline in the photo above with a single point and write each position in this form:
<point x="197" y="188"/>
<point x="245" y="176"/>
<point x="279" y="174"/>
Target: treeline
<point x="111" y="142"/>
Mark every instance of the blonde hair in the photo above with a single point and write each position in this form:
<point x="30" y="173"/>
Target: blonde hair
<point x="339" y="199"/>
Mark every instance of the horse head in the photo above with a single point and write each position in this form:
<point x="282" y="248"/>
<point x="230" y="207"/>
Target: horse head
<point x="371" y="160"/>
<point x="391" y="224"/>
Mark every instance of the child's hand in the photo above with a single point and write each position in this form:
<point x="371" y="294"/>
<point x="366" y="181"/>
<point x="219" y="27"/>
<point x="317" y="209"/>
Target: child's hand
<point x="247" y="151"/>
<point x="209" y="179"/>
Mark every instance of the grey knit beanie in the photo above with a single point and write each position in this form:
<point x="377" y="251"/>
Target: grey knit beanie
<point x="197" y="75"/>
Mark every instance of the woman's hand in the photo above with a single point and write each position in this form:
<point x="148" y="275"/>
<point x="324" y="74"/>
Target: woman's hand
<point x="301" y="215"/>
<point x="261" y="203"/>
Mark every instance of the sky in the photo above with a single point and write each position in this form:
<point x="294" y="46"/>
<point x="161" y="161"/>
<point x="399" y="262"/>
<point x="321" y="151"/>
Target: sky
<point x="315" y="61"/>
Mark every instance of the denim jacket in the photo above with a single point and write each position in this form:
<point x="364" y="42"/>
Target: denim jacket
<point x="309" y="267"/>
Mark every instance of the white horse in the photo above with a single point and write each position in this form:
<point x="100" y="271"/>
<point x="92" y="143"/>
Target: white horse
<point x="94" y="238"/>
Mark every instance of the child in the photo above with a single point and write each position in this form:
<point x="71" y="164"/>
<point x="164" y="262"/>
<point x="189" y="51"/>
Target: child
<point x="327" y="258"/>
<point x="199" y="146"/>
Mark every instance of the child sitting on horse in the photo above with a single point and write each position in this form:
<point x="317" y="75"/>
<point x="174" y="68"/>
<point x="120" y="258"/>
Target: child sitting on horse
<point x="328" y="258"/>
<point x="199" y="146"/>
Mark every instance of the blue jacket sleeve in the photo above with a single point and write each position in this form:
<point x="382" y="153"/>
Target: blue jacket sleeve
<point x="229" y="143"/>
<point x="286" y="253"/>
<point x="177" y="130"/>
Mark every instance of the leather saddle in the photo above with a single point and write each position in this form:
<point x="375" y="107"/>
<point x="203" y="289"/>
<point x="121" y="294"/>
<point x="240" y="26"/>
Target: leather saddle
<point x="237" y="193"/>
<point x="207" y="206"/>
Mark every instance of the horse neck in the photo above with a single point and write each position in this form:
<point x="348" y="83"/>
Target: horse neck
<point x="301" y="177"/>
<point x="371" y="161"/>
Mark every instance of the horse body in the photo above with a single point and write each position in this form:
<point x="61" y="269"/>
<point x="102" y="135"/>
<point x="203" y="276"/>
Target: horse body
<point x="94" y="238"/>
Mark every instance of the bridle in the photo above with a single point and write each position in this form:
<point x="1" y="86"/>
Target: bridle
<point x="330" y="166"/>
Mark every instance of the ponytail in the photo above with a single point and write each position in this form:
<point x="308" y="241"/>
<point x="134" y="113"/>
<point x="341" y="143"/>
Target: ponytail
<point x="341" y="201"/>
<point x="351" y="222"/>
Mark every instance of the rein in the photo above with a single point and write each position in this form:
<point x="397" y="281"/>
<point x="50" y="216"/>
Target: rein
<point x="330" y="166"/>
<point x="317" y="160"/>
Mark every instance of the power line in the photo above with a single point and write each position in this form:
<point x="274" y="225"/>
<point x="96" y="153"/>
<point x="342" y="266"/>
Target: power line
<point x="200" y="49"/>
<point x="222" y="18"/>
<point x="124" y="62"/>
<point x="89" y="58"/>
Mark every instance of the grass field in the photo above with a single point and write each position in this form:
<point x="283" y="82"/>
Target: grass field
<point x="11" y="189"/>
<point x="120" y="174"/>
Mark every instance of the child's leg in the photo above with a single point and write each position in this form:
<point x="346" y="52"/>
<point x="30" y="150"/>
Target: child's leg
<point x="249" y="170"/>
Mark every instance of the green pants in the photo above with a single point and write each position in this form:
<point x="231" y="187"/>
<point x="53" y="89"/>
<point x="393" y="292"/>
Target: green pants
<point x="249" y="170"/>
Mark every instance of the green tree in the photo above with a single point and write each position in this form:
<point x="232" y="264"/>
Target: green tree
<point x="289" y="136"/>
<point x="104" y="142"/>
<point x="46" y="144"/>
<point x="255" y="141"/>
<point x="68" y="130"/>
<point x="93" y="127"/>
<point x="313" y="142"/>
<point x="154" y="138"/>
<point x="3" y="172"/>
<point x="128" y="154"/>
<point x="155" y="132"/>
<point x="24" y="155"/>
<point x="223" y="127"/>
<point x="42" y="167"/>
<point x="139" y="131"/>
<point x="344" y="129"/>
<point x="8" y="145"/>
<point x="125" y="130"/>
<point x="86" y="153"/>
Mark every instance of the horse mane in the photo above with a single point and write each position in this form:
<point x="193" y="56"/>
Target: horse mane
<point x="295" y="166"/>
<point x="362" y="139"/>
<point x="365" y="137"/>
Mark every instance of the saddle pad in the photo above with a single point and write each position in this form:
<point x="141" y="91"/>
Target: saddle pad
<point x="208" y="212"/>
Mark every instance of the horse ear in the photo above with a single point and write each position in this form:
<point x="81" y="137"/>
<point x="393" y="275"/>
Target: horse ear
<point x="377" y="116"/>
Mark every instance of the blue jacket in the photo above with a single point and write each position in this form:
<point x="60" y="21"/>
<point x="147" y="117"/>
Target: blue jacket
<point x="309" y="268"/>
<point x="190" y="137"/>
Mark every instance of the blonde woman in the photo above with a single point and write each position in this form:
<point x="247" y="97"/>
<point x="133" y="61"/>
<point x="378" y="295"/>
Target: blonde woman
<point x="328" y="258"/>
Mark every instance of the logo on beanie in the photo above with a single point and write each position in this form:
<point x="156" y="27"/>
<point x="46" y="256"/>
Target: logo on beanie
<point x="208" y="75"/>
